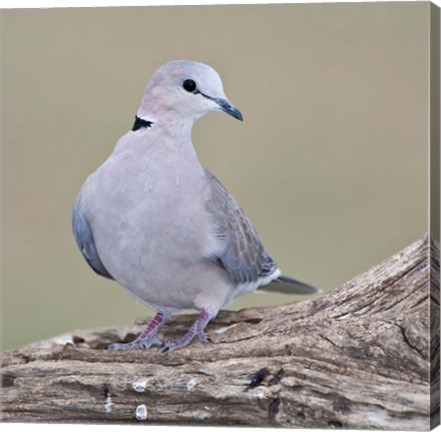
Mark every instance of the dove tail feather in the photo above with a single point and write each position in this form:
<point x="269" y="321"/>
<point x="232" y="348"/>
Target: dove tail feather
<point x="287" y="285"/>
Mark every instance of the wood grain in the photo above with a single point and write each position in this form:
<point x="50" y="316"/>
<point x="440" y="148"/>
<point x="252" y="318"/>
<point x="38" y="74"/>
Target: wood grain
<point x="358" y="357"/>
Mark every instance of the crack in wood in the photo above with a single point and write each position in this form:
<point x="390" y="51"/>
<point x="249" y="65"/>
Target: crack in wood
<point x="330" y="341"/>
<point x="408" y="343"/>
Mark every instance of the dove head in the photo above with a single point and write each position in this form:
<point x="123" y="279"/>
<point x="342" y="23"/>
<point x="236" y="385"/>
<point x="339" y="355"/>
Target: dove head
<point x="184" y="91"/>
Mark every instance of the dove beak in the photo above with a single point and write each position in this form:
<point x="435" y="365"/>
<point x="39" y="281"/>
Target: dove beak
<point x="227" y="108"/>
<point x="224" y="105"/>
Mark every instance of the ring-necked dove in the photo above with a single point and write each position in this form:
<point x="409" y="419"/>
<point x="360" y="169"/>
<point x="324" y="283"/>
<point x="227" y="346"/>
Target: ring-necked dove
<point x="163" y="227"/>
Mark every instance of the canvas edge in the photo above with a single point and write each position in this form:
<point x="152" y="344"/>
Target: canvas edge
<point x="434" y="209"/>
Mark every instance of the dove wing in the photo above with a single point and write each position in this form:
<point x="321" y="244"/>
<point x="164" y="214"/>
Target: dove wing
<point x="240" y="250"/>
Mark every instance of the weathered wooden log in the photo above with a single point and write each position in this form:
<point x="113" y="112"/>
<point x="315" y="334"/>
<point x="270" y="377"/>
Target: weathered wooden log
<point x="366" y="355"/>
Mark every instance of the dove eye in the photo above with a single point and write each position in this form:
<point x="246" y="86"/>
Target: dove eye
<point x="189" y="85"/>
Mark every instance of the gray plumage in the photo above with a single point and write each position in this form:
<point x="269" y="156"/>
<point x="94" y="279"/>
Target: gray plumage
<point x="151" y="218"/>
<point x="84" y="238"/>
<point x="242" y="254"/>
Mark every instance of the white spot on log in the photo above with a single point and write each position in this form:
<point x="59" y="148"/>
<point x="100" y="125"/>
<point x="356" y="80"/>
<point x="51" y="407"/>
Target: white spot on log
<point x="192" y="383"/>
<point x="343" y="317"/>
<point x="260" y="392"/>
<point x="140" y="385"/>
<point x="64" y="340"/>
<point x="223" y="329"/>
<point x="141" y="412"/>
<point x="109" y="404"/>
<point x="202" y="415"/>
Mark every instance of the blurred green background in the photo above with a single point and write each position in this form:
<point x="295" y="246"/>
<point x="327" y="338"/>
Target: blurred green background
<point x="330" y="163"/>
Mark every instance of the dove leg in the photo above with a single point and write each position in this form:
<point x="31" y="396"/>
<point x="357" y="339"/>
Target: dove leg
<point x="148" y="337"/>
<point x="197" y="329"/>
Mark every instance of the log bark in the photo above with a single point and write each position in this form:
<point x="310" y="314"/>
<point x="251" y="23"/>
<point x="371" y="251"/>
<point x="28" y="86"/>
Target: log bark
<point x="366" y="355"/>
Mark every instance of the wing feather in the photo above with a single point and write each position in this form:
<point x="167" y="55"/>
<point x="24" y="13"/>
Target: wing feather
<point x="86" y="243"/>
<point x="241" y="253"/>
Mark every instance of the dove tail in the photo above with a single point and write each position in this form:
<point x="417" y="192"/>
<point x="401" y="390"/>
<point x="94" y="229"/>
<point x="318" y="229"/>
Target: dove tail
<point x="286" y="285"/>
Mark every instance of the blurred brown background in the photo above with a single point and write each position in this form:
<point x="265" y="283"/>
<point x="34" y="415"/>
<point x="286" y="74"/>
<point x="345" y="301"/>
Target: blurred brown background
<point x="330" y="163"/>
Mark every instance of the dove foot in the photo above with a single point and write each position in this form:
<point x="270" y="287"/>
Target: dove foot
<point x="136" y="344"/>
<point x="197" y="329"/>
<point x="147" y="338"/>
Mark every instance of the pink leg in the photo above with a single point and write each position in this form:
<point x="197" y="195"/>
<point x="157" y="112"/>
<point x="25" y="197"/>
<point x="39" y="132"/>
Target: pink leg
<point x="148" y="337"/>
<point x="197" y="329"/>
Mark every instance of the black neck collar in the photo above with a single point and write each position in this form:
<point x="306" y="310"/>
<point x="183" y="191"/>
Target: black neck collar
<point x="141" y="123"/>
